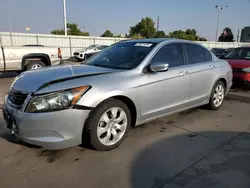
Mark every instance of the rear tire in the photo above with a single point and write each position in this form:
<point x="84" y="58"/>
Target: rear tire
<point x="217" y="96"/>
<point x="35" y="65"/>
<point x="105" y="131"/>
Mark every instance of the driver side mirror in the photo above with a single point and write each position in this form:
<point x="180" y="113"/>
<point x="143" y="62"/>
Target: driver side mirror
<point x="159" y="67"/>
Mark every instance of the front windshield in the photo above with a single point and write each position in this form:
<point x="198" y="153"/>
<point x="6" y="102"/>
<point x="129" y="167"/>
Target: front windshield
<point x="239" y="53"/>
<point x="124" y="55"/>
<point x="91" y="47"/>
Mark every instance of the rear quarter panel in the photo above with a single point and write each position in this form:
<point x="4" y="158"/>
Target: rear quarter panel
<point x="223" y="70"/>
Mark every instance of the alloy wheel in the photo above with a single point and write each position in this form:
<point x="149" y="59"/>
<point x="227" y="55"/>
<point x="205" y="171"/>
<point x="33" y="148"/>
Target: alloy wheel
<point x="218" y="95"/>
<point x="112" y="126"/>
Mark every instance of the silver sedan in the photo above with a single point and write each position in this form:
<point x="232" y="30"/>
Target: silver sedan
<point x="125" y="85"/>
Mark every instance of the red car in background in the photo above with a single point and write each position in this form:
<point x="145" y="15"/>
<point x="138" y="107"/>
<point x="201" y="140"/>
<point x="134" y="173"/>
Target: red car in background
<point x="239" y="59"/>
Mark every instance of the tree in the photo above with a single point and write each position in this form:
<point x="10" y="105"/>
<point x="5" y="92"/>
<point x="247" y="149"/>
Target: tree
<point x="107" y="33"/>
<point x="226" y="35"/>
<point x="135" y="36"/>
<point x="73" y="29"/>
<point x="145" y="28"/>
<point x="189" y="34"/>
<point x="160" y="34"/>
<point x="202" y="39"/>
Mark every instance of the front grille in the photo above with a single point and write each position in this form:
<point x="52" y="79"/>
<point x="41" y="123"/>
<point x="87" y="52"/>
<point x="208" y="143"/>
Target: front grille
<point x="17" y="97"/>
<point x="237" y="70"/>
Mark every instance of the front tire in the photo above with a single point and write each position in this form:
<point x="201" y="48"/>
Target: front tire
<point x="107" y="125"/>
<point x="217" y="95"/>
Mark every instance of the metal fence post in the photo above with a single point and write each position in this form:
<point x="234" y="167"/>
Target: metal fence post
<point x="94" y="40"/>
<point x="70" y="47"/>
<point x="11" y="41"/>
<point x="37" y="42"/>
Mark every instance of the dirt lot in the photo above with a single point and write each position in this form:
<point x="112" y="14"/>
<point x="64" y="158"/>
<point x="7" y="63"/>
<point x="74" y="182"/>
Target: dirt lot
<point x="197" y="148"/>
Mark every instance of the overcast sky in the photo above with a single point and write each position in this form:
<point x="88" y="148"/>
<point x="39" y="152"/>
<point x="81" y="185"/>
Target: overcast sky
<point x="96" y="16"/>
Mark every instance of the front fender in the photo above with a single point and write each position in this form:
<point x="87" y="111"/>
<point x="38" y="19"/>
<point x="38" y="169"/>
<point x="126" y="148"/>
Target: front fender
<point x="93" y="99"/>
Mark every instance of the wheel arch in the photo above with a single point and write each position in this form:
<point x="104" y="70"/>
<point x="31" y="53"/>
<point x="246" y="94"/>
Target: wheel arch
<point x="35" y="56"/>
<point x="223" y="80"/>
<point x="133" y="108"/>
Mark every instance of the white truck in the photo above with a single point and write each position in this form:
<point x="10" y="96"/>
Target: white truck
<point x="28" y="57"/>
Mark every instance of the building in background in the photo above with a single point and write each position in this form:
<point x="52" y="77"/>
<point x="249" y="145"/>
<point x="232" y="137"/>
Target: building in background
<point x="245" y="35"/>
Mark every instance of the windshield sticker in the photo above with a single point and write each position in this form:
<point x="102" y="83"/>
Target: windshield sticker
<point x="143" y="44"/>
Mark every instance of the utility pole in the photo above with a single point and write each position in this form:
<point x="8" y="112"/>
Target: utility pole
<point x="65" y="17"/>
<point x="218" y="20"/>
<point x="238" y="35"/>
<point x="158" y="24"/>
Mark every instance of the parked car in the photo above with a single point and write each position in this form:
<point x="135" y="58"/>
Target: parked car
<point x="90" y="55"/>
<point x="28" y="57"/>
<point x="126" y="85"/>
<point x="83" y="54"/>
<point x="219" y="52"/>
<point x="228" y="50"/>
<point x="239" y="59"/>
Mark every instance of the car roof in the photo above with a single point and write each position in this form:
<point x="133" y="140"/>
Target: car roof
<point x="150" y="40"/>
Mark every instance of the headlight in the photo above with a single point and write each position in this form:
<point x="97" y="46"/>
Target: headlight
<point x="56" y="101"/>
<point x="246" y="69"/>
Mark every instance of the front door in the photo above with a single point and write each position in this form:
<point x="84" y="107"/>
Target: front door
<point x="164" y="92"/>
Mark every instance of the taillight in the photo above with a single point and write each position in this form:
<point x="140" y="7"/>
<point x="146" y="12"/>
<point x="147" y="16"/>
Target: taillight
<point x="59" y="53"/>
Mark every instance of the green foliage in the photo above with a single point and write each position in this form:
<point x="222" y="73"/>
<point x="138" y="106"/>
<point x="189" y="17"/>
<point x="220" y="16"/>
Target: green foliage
<point x="160" y="34"/>
<point x="58" y="32"/>
<point x="189" y="34"/>
<point x="145" y="28"/>
<point x="73" y="29"/>
<point x="136" y="36"/>
<point x="229" y="37"/>
<point x="202" y="39"/>
<point x="107" y="33"/>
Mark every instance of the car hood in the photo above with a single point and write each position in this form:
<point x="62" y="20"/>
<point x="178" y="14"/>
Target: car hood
<point x="32" y="81"/>
<point x="239" y="63"/>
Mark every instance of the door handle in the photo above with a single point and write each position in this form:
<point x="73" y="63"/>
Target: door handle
<point x="212" y="66"/>
<point x="183" y="73"/>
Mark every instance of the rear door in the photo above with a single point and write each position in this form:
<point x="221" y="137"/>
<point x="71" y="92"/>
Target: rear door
<point x="200" y="67"/>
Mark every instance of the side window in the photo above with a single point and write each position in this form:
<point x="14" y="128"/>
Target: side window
<point x="195" y="53"/>
<point x="208" y="55"/>
<point x="171" y="53"/>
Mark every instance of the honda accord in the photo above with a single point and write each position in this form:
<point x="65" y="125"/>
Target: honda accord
<point x="125" y="85"/>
